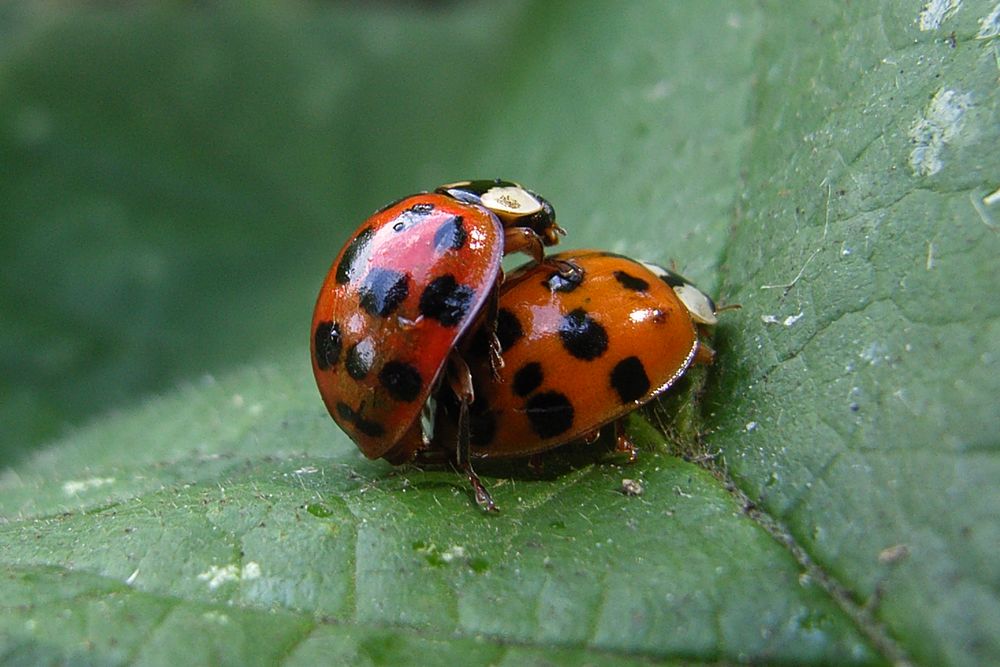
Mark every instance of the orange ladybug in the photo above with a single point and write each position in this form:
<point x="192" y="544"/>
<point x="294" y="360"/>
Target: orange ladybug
<point x="581" y="350"/>
<point x="400" y="294"/>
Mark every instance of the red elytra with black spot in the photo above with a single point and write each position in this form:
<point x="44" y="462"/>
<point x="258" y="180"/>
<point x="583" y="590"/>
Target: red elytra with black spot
<point x="579" y="352"/>
<point x="400" y="294"/>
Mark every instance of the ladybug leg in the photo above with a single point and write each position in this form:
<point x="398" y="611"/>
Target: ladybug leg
<point x="536" y="464"/>
<point x="483" y="497"/>
<point x="704" y="355"/>
<point x="496" y="357"/>
<point x="460" y="381"/>
<point x="522" y="239"/>
<point x="623" y="443"/>
<point x="568" y="270"/>
<point x="496" y="351"/>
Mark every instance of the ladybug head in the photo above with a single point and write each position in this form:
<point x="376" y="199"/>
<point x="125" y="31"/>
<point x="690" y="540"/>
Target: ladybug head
<point x="700" y="306"/>
<point x="513" y="204"/>
<point x="543" y="222"/>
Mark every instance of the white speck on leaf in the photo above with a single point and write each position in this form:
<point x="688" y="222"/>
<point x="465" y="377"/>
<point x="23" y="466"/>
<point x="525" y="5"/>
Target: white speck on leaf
<point x="217" y="576"/>
<point x="75" y="486"/>
<point x="631" y="487"/>
<point x="989" y="25"/>
<point x="940" y="125"/>
<point x="792" y="319"/>
<point x="992" y="198"/>
<point x="875" y="353"/>
<point x="452" y="552"/>
<point x="787" y="321"/>
<point x="982" y="205"/>
<point x="893" y="554"/>
<point x="751" y="427"/>
<point x="216" y="617"/>
<point x="936" y="12"/>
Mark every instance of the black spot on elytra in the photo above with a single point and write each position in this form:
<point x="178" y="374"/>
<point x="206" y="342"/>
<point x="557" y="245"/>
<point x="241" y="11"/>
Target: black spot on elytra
<point x="411" y="216"/>
<point x="360" y="358"/>
<point x="582" y="336"/>
<point x="345" y="412"/>
<point x="445" y="300"/>
<point x="508" y="330"/>
<point x="365" y="426"/>
<point x="383" y="290"/>
<point x="346" y="268"/>
<point x="550" y="413"/>
<point x="328" y="344"/>
<point x="401" y="380"/>
<point x="423" y="208"/>
<point x="563" y="281"/>
<point x="630" y="282"/>
<point x="528" y="378"/>
<point x="369" y="428"/>
<point x="629" y="379"/>
<point x="451" y="235"/>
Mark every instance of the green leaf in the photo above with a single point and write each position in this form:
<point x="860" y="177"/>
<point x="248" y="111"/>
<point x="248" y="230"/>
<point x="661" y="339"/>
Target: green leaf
<point x="830" y="167"/>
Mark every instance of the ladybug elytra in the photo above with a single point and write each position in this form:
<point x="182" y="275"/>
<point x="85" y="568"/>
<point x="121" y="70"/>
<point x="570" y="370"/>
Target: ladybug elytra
<point x="580" y="352"/>
<point x="409" y="282"/>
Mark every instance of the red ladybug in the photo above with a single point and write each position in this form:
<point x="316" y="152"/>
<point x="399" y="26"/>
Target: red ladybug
<point x="408" y="283"/>
<point x="581" y="350"/>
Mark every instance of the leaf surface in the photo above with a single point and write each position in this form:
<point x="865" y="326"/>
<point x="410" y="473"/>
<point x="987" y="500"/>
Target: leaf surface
<point x="831" y="168"/>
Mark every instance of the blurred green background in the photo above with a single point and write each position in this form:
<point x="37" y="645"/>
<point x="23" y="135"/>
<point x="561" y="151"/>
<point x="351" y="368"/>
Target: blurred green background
<point x="177" y="178"/>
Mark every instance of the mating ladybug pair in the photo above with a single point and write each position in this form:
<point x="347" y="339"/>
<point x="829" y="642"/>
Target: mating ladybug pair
<point x="421" y="347"/>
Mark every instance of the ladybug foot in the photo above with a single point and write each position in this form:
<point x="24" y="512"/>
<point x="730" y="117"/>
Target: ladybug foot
<point x="626" y="448"/>
<point x="624" y="445"/>
<point x="483" y="497"/>
<point x="536" y="464"/>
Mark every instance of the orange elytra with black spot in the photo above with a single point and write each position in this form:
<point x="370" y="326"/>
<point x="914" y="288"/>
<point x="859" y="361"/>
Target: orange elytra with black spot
<point x="409" y="282"/>
<point x="580" y="350"/>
